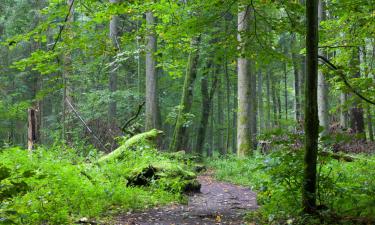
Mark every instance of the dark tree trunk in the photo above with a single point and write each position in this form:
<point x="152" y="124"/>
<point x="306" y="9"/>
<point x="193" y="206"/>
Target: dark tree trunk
<point x="180" y="138"/>
<point x="311" y="108"/>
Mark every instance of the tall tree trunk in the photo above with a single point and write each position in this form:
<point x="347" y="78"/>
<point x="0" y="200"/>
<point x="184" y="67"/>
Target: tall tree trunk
<point x="322" y="85"/>
<point x="180" y="139"/>
<point x="274" y="103"/>
<point x="113" y="33"/>
<point x="260" y="102"/>
<point x="254" y="108"/>
<point x="296" y="79"/>
<point x="206" y="109"/>
<point x="285" y="89"/>
<point x="343" y="111"/>
<point x="228" y="122"/>
<point x="67" y="89"/>
<point x="152" y="110"/>
<point x="220" y="115"/>
<point x="244" y="144"/>
<point x="268" y="86"/>
<point x="356" y="112"/>
<point x="311" y="108"/>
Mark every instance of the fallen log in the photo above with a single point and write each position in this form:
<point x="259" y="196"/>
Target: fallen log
<point x="148" y="137"/>
<point x="337" y="156"/>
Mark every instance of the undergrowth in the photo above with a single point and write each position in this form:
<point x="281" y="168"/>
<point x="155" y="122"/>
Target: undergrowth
<point x="346" y="192"/>
<point x="57" y="186"/>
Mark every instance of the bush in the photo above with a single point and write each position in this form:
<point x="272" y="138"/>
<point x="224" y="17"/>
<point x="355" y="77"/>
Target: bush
<point x="56" y="186"/>
<point x="346" y="190"/>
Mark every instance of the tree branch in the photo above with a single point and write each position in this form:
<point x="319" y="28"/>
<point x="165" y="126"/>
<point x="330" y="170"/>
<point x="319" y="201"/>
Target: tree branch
<point x="333" y="67"/>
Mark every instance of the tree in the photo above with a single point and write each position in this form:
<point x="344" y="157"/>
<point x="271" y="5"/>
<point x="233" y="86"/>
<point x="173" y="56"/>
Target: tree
<point x="322" y="85"/>
<point x="152" y="109"/>
<point x="244" y="137"/>
<point x="113" y="33"/>
<point x="180" y="138"/>
<point x="311" y="108"/>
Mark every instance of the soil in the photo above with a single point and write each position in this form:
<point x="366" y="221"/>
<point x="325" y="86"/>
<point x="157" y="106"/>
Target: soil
<point x="217" y="203"/>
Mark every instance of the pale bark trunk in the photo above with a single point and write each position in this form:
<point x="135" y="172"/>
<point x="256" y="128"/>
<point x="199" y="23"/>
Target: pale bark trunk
<point x="151" y="76"/>
<point x="113" y="33"/>
<point x="260" y="102"/>
<point x="254" y="108"/>
<point x="322" y="85"/>
<point x="296" y="79"/>
<point x="268" y="90"/>
<point x="244" y="137"/>
<point x="220" y="115"/>
<point x="67" y="90"/>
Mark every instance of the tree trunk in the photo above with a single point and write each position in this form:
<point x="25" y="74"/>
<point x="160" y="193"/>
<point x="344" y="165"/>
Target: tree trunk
<point x="33" y="129"/>
<point x="311" y="108"/>
<point x="228" y="122"/>
<point x="67" y="89"/>
<point x="260" y="102"/>
<point x="268" y="85"/>
<point x="206" y="109"/>
<point x="113" y="33"/>
<point x="343" y="111"/>
<point x="244" y="137"/>
<point x="356" y="112"/>
<point x="220" y="115"/>
<point x="322" y="85"/>
<point x="296" y="79"/>
<point x="180" y="139"/>
<point x="151" y="76"/>
<point x="254" y="108"/>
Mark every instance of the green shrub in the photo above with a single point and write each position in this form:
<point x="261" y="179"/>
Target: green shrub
<point x="56" y="186"/>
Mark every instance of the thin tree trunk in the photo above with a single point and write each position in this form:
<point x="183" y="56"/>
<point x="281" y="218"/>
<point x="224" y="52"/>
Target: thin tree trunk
<point x="311" y="108"/>
<point x="268" y="86"/>
<point x="113" y="33"/>
<point x="67" y="90"/>
<point x="220" y="115"/>
<point x="286" y="90"/>
<point x="343" y="111"/>
<point x="180" y="139"/>
<point x="244" y="137"/>
<point x="152" y="120"/>
<point x="296" y="79"/>
<point x="260" y="102"/>
<point x="254" y="108"/>
<point x="356" y="111"/>
<point x="206" y="109"/>
<point x="228" y="122"/>
<point x="322" y="85"/>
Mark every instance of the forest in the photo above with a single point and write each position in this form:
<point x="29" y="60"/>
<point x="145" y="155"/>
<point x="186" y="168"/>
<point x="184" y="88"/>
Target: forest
<point x="187" y="112"/>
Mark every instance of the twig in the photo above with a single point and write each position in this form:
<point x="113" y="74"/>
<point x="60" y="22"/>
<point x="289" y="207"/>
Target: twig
<point x="85" y="124"/>
<point x="133" y="117"/>
<point x="63" y="26"/>
<point x="332" y="66"/>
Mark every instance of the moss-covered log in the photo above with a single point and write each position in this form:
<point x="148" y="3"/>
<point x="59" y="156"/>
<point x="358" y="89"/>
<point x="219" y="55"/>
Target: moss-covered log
<point x="149" y="137"/>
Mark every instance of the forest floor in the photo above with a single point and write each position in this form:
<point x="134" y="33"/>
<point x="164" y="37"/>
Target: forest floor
<point x="217" y="203"/>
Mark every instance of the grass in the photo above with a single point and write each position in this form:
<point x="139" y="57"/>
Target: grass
<point x="346" y="193"/>
<point x="56" y="186"/>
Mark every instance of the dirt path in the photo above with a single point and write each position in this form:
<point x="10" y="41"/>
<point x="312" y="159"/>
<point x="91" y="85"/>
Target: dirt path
<point x="218" y="203"/>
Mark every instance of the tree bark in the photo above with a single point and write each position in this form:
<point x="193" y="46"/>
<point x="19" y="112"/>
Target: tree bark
<point x="322" y="85"/>
<point x="244" y="137"/>
<point x="343" y="111"/>
<point x="311" y="109"/>
<point x="33" y="129"/>
<point x="220" y="115"/>
<point x="296" y="79"/>
<point x="206" y="109"/>
<point x="113" y="33"/>
<point x="67" y="86"/>
<point x="180" y="139"/>
<point x="152" y="108"/>
<point x="356" y="112"/>
<point x="260" y="102"/>
<point x="268" y="86"/>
